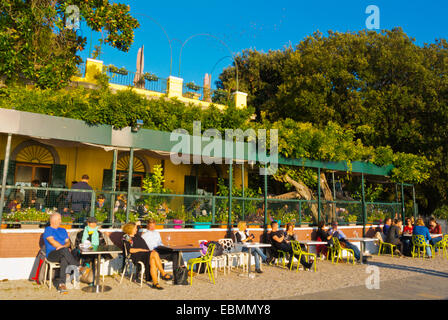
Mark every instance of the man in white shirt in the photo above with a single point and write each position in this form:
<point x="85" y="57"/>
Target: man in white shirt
<point x="154" y="242"/>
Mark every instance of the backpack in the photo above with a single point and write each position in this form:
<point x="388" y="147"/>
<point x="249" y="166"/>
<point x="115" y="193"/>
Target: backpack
<point x="37" y="271"/>
<point x="181" y="276"/>
<point x="219" y="250"/>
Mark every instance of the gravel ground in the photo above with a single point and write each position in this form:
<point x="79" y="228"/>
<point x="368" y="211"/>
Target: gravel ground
<point x="274" y="283"/>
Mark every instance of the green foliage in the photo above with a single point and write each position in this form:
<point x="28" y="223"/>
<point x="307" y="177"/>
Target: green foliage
<point x="192" y="86"/>
<point x="29" y="214"/>
<point x="352" y="218"/>
<point x="201" y="218"/>
<point x="101" y="215"/>
<point x="36" y="44"/>
<point x="383" y="87"/>
<point x="441" y="212"/>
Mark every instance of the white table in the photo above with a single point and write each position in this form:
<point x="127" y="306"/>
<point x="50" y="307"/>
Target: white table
<point x="435" y="235"/>
<point x="308" y="243"/>
<point x="363" y="245"/>
<point x="254" y="245"/>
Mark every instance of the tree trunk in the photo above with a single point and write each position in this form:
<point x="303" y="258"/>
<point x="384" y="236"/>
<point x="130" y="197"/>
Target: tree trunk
<point x="304" y="193"/>
<point x="329" y="209"/>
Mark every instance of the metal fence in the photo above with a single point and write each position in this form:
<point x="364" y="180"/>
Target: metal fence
<point x="128" y="79"/>
<point x="31" y="205"/>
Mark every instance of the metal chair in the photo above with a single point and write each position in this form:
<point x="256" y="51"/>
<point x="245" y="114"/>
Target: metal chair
<point x="443" y="245"/>
<point x="231" y="255"/>
<point x="129" y="265"/>
<point x="338" y="250"/>
<point x="207" y="259"/>
<point x="297" y="251"/>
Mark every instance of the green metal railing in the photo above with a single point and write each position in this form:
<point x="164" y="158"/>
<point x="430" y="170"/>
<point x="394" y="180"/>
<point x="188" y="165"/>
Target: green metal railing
<point x="31" y="205"/>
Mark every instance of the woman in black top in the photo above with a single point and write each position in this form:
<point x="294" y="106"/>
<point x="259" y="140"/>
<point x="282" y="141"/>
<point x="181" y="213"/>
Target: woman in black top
<point x="289" y="233"/>
<point x="137" y="247"/>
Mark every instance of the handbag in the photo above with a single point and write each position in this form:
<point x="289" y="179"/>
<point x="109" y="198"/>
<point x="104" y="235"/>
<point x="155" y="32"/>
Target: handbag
<point x="181" y="276"/>
<point x="87" y="275"/>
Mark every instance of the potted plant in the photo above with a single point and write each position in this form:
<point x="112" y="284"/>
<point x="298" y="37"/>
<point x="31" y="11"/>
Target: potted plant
<point x="101" y="216"/>
<point x="150" y="76"/>
<point x="66" y="221"/>
<point x="221" y="218"/>
<point x="121" y="71"/>
<point x="202" y="222"/>
<point x="306" y="220"/>
<point x="351" y="218"/>
<point x="178" y="217"/>
<point x="31" y="218"/>
<point x="192" y="94"/>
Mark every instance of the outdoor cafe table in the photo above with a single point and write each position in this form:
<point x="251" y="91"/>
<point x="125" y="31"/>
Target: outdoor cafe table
<point x="363" y="245"/>
<point x="254" y="245"/>
<point x="98" y="251"/>
<point x="180" y="249"/>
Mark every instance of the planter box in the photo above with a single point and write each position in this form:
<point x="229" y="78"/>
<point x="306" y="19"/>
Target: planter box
<point x="30" y="226"/>
<point x="159" y="226"/>
<point x="254" y="226"/>
<point x="66" y="226"/>
<point x="351" y="224"/>
<point x="3" y="226"/>
<point x="304" y="225"/>
<point x="202" y="225"/>
<point x="178" y="223"/>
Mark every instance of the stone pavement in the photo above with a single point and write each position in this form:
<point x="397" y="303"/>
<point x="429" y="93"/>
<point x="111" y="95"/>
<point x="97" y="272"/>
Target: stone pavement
<point x="422" y="287"/>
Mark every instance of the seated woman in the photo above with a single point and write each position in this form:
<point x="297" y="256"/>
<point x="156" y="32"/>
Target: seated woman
<point x="393" y="236"/>
<point x="139" y="251"/>
<point x="420" y="229"/>
<point x="434" y="228"/>
<point x="407" y="236"/>
<point x="280" y="243"/>
<point x="242" y="236"/>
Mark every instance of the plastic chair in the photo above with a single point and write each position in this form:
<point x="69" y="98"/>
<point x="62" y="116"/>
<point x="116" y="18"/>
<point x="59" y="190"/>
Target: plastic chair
<point x="207" y="259"/>
<point x="443" y="245"/>
<point x="419" y="243"/>
<point x="129" y="265"/>
<point x="338" y="250"/>
<point x="383" y="246"/>
<point x="297" y="251"/>
<point x="231" y="255"/>
<point x="52" y="265"/>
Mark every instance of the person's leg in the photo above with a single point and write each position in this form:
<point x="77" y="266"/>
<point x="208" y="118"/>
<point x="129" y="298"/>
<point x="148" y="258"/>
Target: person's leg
<point x="354" y="248"/>
<point x="260" y="253"/>
<point x="155" y="256"/>
<point x="428" y="250"/>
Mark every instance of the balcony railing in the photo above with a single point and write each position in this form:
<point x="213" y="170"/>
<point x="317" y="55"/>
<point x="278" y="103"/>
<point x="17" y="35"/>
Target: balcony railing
<point x="128" y="79"/>
<point x="30" y="205"/>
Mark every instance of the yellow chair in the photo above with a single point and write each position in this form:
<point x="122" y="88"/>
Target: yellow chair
<point x="297" y="251"/>
<point x="383" y="246"/>
<point x="443" y="245"/>
<point x="282" y="255"/>
<point x="419" y="242"/>
<point x="338" y="250"/>
<point x="207" y="259"/>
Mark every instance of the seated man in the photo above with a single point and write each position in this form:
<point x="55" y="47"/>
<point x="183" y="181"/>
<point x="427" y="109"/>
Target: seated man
<point x="154" y="242"/>
<point x="279" y="243"/>
<point x="57" y="244"/>
<point x="334" y="232"/>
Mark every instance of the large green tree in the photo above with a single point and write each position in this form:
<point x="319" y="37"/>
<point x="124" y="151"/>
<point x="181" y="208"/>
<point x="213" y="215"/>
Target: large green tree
<point x="388" y="90"/>
<point x="38" y="45"/>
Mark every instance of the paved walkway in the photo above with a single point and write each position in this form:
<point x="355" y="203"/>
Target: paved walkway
<point x="412" y="288"/>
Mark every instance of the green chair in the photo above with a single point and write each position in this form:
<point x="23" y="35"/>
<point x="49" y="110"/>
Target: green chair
<point x="207" y="259"/>
<point x="297" y="251"/>
<point x="338" y="251"/>
<point x="443" y="245"/>
<point x="419" y="243"/>
<point x="282" y="255"/>
<point x="384" y="245"/>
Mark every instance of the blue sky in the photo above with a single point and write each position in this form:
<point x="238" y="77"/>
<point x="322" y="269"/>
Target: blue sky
<point x="261" y="24"/>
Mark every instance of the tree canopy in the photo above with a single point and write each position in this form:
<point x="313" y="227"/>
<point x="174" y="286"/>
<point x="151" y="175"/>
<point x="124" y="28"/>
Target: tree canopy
<point x="387" y="91"/>
<point x="37" y="46"/>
